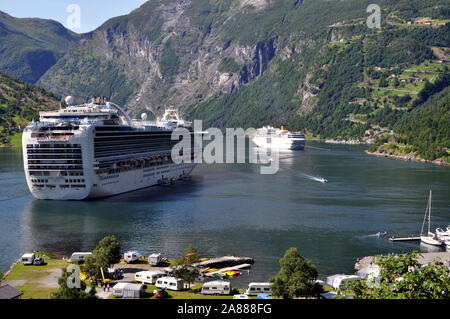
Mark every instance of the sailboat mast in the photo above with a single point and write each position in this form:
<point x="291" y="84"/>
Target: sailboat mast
<point x="429" y="214"/>
<point x="424" y="219"/>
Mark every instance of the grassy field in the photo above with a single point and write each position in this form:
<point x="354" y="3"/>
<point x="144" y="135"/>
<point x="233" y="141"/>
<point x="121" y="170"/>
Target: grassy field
<point x="16" y="140"/>
<point x="38" y="284"/>
<point x="41" y="281"/>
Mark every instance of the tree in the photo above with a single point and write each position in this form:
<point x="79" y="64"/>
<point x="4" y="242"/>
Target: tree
<point x="64" y="292"/>
<point x="296" y="277"/>
<point x="184" y="266"/>
<point x="401" y="277"/>
<point x="104" y="255"/>
<point x="383" y="83"/>
<point x="107" y="251"/>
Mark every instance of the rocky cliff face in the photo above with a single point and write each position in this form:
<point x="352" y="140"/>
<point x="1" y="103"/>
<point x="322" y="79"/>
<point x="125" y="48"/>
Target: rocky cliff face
<point x="248" y="63"/>
<point x="179" y="66"/>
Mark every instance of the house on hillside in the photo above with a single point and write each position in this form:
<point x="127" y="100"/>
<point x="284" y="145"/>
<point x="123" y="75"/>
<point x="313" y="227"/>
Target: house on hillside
<point x="426" y="21"/>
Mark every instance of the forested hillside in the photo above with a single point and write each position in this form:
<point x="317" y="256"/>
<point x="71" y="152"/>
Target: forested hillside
<point x="422" y="133"/>
<point x="20" y="102"/>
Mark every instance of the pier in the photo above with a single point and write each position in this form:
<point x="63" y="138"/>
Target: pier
<point x="411" y="238"/>
<point x="226" y="261"/>
<point x="238" y="267"/>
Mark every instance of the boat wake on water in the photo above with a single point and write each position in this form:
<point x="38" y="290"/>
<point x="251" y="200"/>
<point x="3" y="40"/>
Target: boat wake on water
<point x="303" y="175"/>
<point x="317" y="179"/>
<point x="379" y="235"/>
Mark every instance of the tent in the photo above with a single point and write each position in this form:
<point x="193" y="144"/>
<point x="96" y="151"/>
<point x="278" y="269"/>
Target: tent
<point x="127" y="290"/>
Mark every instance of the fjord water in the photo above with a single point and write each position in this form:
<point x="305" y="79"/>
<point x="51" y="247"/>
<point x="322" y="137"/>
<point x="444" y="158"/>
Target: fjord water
<point x="233" y="209"/>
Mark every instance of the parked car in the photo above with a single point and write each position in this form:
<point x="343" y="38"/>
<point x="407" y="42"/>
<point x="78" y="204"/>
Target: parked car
<point x="243" y="296"/>
<point x="38" y="261"/>
<point x="161" y="293"/>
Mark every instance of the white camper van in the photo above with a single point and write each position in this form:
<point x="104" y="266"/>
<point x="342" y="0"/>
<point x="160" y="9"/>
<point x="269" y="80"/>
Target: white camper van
<point x="80" y="257"/>
<point x="149" y="277"/>
<point x="217" y="287"/>
<point x="28" y="259"/>
<point x="154" y="259"/>
<point x="131" y="256"/>
<point x="256" y="288"/>
<point x="170" y="283"/>
<point x="338" y="281"/>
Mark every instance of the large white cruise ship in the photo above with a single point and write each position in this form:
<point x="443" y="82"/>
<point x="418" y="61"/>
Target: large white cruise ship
<point x="96" y="150"/>
<point x="269" y="137"/>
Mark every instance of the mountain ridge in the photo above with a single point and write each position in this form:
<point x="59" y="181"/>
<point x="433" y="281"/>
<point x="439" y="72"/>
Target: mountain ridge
<point x="314" y="65"/>
<point x="30" y="46"/>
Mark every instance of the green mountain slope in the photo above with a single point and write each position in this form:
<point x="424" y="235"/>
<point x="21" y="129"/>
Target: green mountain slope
<point x="423" y="133"/>
<point x="29" y="47"/>
<point x="314" y="65"/>
<point x="20" y="102"/>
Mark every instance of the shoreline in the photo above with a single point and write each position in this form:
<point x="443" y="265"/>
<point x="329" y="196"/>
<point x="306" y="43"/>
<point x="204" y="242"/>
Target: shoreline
<point x="408" y="158"/>
<point x="346" y="142"/>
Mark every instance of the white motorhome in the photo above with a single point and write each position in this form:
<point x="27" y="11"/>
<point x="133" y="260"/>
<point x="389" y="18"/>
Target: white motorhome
<point x="28" y="259"/>
<point x="149" y="277"/>
<point x="338" y="281"/>
<point x="217" y="287"/>
<point x="255" y="288"/>
<point x="170" y="283"/>
<point x="80" y="257"/>
<point x="131" y="256"/>
<point x="154" y="259"/>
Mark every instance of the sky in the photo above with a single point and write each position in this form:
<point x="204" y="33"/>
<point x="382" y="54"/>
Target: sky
<point x="92" y="13"/>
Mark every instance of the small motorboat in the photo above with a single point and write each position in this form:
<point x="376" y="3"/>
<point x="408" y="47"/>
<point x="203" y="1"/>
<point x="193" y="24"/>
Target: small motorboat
<point x="173" y="181"/>
<point x="431" y="239"/>
<point x="232" y="273"/>
<point x="443" y="233"/>
<point x="163" y="182"/>
<point x="447" y="244"/>
<point x="323" y="180"/>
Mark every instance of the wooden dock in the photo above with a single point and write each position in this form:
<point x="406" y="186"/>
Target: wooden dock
<point x="411" y="238"/>
<point x="226" y="261"/>
<point x="243" y="266"/>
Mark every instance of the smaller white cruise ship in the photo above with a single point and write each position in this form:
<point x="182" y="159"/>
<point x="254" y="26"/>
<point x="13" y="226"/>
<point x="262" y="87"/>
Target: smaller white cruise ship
<point x="270" y="137"/>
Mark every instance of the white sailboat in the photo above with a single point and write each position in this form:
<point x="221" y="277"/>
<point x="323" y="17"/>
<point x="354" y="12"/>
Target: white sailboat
<point x="430" y="239"/>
